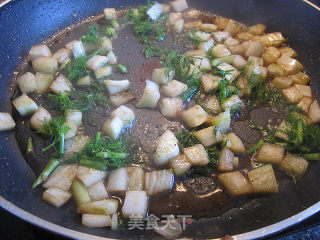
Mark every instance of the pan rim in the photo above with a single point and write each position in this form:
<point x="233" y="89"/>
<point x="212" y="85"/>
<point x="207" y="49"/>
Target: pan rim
<point x="72" y="234"/>
<point x="4" y="3"/>
<point x="44" y="224"/>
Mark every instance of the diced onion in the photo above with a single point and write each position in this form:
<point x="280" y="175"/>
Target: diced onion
<point x="155" y="11"/>
<point x="78" y="49"/>
<point x="6" y="122"/>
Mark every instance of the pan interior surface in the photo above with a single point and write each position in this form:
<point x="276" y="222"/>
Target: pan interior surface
<point x="24" y="23"/>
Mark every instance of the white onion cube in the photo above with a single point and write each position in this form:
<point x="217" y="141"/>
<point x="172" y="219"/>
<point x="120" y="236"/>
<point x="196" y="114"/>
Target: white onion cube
<point x="6" y="122"/>
<point x="155" y="11"/>
<point x="24" y="105"/>
<point x="126" y="114"/>
<point x="173" y="88"/>
<point x="167" y="148"/>
<point x="89" y="176"/>
<point x="97" y="191"/>
<point x="62" y="177"/>
<point x="27" y="83"/>
<point x="118" y="180"/>
<point x="112" y="127"/>
<point x="39" y="50"/>
<point x="39" y="117"/>
<point x="150" y="97"/>
<point x="61" y="84"/>
<point x="116" y="86"/>
<point x="78" y="49"/>
<point x="56" y="196"/>
<point x="135" y="204"/>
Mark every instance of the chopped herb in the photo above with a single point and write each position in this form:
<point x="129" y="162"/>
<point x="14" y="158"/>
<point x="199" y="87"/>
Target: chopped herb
<point x="93" y="35"/>
<point x="162" y="19"/>
<point x="265" y="95"/>
<point x="311" y="156"/>
<point x="160" y="33"/>
<point x="30" y="147"/>
<point x="56" y="131"/>
<point x="255" y="147"/>
<point x="103" y="152"/>
<point x="292" y="107"/>
<point x="144" y="28"/>
<point x="77" y="68"/>
<point x="194" y="38"/>
<point x="180" y="64"/>
<point x="255" y="80"/>
<point x="210" y="54"/>
<point x="225" y="91"/>
<point x="245" y="70"/>
<point x="147" y="29"/>
<point x="85" y="101"/>
<point x="95" y="164"/>
<point x="187" y="139"/>
<point x="60" y="102"/>
<point x="115" y="24"/>
<point x="50" y="167"/>
<point x="213" y="154"/>
<point x="153" y="51"/>
<point x="225" y="85"/>
<point x="122" y="68"/>
<point x="261" y="92"/>
<point x="302" y="136"/>
<point x="110" y="32"/>
<point x="64" y="65"/>
<point x="82" y="101"/>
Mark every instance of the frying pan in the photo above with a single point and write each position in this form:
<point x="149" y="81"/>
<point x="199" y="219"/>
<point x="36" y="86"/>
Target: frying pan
<point x="25" y="22"/>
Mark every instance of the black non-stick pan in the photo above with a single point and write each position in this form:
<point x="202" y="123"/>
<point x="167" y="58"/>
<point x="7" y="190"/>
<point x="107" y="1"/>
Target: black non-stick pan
<point x="26" y="22"/>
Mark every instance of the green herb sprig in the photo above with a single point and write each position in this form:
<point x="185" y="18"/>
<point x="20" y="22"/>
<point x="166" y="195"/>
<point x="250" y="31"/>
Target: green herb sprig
<point x="93" y="35"/>
<point x="303" y="137"/>
<point x="265" y="95"/>
<point x="82" y="101"/>
<point x="56" y="131"/>
<point x="154" y="51"/>
<point x="77" y="68"/>
<point x="180" y="64"/>
<point x="103" y="152"/>
<point x="224" y="85"/>
<point x="191" y="35"/>
<point x="147" y="29"/>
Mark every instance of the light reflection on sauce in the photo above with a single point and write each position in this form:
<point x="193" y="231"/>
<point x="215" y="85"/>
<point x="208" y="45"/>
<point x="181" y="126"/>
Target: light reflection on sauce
<point x="209" y="194"/>
<point x="180" y="187"/>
